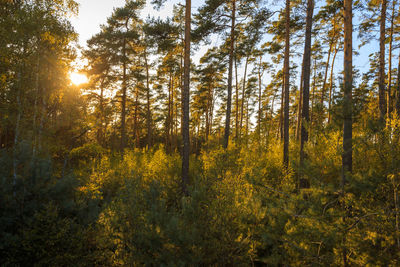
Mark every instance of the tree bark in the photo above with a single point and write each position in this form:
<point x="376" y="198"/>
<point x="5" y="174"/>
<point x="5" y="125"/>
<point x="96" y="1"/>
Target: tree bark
<point x="16" y="134"/>
<point x="236" y="102"/>
<point x="306" y="90"/>
<point x="148" y="111"/>
<point x="168" y="119"/>
<point x="123" y="99"/>
<point x="135" y="122"/>
<point x="326" y="76"/>
<point x="313" y="96"/>
<point x="259" y="99"/>
<point x="185" y="101"/>
<point x="398" y="89"/>
<point x="243" y="96"/>
<point x="101" y="131"/>
<point x="347" y="160"/>
<point x="229" y="97"/>
<point x="382" y="38"/>
<point x="282" y="104"/>
<point x="348" y="83"/>
<point x="286" y="104"/>
<point x="299" y="107"/>
<point x="331" y="84"/>
<point x="388" y="110"/>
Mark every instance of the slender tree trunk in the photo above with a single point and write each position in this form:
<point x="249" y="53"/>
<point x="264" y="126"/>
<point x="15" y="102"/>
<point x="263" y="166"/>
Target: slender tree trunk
<point x="135" y="122"/>
<point x="123" y="100"/>
<point x="390" y="61"/>
<point x="287" y="85"/>
<point x="323" y="90"/>
<point x="185" y="101"/>
<point x="212" y="111"/>
<point x="382" y="38"/>
<point x="236" y="102"/>
<point x="229" y="98"/>
<point x="171" y="127"/>
<point x="259" y="100"/>
<point x="176" y="123"/>
<point x="148" y="110"/>
<point x="35" y="108"/>
<point x="16" y="134"/>
<point x="331" y="84"/>
<point x="102" y="117"/>
<point x="42" y="114"/>
<point x="306" y="89"/>
<point x="398" y="89"/>
<point x="272" y="114"/>
<point x="299" y="107"/>
<point x="281" y="111"/>
<point x="168" y="119"/>
<point x="243" y="96"/>
<point x="313" y="97"/>
<point x="247" y="118"/>
<point x="208" y="112"/>
<point x="207" y="124"/>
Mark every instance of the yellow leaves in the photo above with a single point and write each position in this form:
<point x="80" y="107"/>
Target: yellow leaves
<point x="47" y="36"/>
<point x="3" y="79"/>
<point x="371" y="236"/>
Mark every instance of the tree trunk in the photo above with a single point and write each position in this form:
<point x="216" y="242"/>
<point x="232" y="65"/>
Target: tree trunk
<point x="16" y="134"/>
<point x="259" y="99"/>
<point x="229" y="99"/>
<point x="185" y="102"/>
<point x="313" y="97"/>
<point x="35" y="108"/>
<point x="102" y="117"/>
<point x="236" y="102"/>
<point x="148" y="110"/>
<point x="347" y="105"/>
<point x="135" y="122"/>
<point x="300" y="102"/>
<point x="287" y="85"/>
<point x="388" y="109"/>
<point x="171" y="113"/>
<point x="382" y="38"/>
<point x="247" y="119"/>
<point x="243" y="96"/>
<point x="208" y="112"/>
<point x="168" y="119"/>
<point x="123" y="100"/>
<point x="326" y="75"/>
<point x="272" y="114"/>
<point x="331" y="84"/>
<point x="348" y="83"/>
<point x="398" y="89"/>
<point x="281" y="111"/>
<point x="306" y="89"/>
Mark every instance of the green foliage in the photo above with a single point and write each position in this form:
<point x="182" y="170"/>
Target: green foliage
<point x="70" y="196"/>
<point x="39" y="222"/>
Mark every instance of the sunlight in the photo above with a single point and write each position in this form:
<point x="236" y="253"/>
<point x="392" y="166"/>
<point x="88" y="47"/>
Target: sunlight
<point x="78" y="78"/>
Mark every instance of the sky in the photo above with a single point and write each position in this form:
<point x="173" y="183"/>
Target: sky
<point x="93" y="13"/>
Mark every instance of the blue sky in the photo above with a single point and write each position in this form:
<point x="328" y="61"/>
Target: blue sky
<point x="93" y="13"/>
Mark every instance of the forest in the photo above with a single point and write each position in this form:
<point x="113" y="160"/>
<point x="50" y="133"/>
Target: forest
<point x="230" y="133"/>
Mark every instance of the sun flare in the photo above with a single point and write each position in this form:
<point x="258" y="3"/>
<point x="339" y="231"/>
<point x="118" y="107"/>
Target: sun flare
<point x="78" y="78"/>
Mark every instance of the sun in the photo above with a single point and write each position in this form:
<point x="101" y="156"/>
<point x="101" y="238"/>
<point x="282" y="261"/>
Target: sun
<point x="78" y="78"/>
